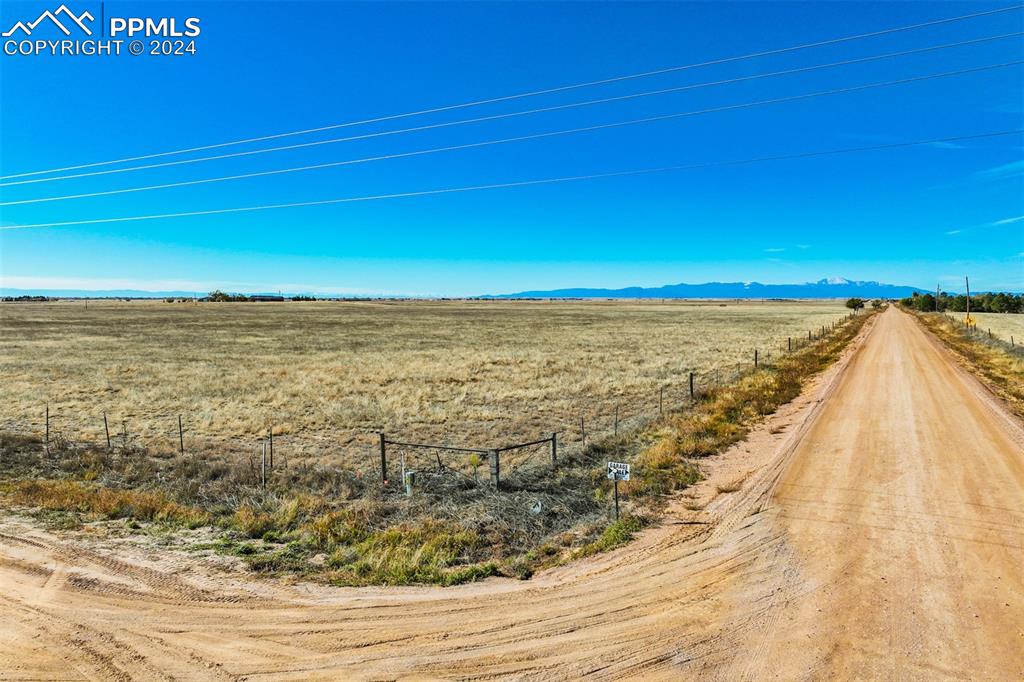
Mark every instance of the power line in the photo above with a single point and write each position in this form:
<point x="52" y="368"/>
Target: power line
<point x="520" y="138"/>
<point x="523" y="183"/>
<point x="534" y="93"/>
<point x="481" y="119"/>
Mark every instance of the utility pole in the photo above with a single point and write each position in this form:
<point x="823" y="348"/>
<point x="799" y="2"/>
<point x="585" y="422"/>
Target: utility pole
<point x="936" y="297"/>
<point x="967" y="282"/>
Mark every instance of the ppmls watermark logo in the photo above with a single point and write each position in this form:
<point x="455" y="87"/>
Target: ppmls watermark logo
<point x="64" y="32"/>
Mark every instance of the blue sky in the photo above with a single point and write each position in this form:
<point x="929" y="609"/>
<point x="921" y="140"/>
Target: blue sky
<point x="915" y="216"/>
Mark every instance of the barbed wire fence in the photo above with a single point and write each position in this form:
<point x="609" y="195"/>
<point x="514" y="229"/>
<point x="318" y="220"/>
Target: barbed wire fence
<point x="440" y="466"/>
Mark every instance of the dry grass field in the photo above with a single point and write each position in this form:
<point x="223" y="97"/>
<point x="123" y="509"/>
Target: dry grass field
<point x="1003" y="325"/>
<point x="327" y="375"/>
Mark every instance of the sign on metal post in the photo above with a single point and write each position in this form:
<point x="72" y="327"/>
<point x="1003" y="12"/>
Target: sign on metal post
<point x="618" y="471"/>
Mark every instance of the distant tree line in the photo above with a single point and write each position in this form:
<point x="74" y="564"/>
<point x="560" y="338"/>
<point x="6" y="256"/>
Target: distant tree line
<point x="856" y="304"/>
<point x="980" y="303"/>
<point x="10" y="299"/>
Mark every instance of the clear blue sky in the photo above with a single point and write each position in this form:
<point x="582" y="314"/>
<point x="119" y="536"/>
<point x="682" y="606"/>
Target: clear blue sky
<point x="909" y="216"/>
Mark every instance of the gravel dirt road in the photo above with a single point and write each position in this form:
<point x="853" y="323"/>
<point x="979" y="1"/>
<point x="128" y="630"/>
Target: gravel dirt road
<point x="872" y="529"/>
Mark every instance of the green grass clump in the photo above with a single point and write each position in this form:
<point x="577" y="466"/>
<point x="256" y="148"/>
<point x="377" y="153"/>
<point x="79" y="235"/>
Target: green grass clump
<point x="427" y="552"/>
<point x="614" y="535"/>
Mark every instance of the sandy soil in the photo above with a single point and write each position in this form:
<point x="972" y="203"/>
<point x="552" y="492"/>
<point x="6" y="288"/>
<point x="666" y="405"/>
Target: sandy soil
<point x="875" y="530"/>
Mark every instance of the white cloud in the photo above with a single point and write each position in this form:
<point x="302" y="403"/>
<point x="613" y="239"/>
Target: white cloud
<point x="775" y="249"/>
<point x="994" y="223"/>
<point x="1011" y="169"/>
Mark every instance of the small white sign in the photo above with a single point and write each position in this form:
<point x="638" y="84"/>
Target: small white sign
<point x="618" y="471"/>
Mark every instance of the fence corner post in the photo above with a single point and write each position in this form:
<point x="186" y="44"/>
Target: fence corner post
<point x="495" y="462"/>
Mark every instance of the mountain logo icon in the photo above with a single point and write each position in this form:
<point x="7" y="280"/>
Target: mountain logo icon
<point x="77" y="20"/>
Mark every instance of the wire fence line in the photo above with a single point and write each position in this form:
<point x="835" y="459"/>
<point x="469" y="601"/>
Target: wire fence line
<point x="466" y="463"/>
<point x="1008" y="342"/>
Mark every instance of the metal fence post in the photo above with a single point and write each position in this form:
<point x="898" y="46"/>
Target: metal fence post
<point x="616" y="498"/>
<point x="383" y="459"/>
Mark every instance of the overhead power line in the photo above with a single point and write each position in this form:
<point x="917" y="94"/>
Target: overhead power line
<point x="481" y="119"/>
<point x="520" y="138"/>
<point x="522" y="183"/>
<point x="533" y="93"/>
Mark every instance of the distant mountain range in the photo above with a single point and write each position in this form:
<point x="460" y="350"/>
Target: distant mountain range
<point x="834" y="287"/>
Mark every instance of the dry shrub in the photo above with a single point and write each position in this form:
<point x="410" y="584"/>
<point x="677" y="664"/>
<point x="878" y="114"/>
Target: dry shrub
<point x="104" y="502"/>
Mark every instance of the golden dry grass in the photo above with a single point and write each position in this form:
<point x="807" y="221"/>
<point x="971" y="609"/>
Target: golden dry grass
<point x="327" y="375"/>
<point x="1002" y="325"/>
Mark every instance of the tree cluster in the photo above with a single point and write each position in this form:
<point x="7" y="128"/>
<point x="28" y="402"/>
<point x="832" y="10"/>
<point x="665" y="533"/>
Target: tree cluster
<point x="980" y="303"/>
<point x="219" y="296"/>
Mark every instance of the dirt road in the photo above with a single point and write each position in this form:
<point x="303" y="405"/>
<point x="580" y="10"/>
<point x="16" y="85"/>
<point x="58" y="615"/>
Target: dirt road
<point x="878" y="532"/>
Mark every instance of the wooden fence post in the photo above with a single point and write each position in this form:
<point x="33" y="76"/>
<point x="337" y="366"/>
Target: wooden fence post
<point x="554" y="448"/>
<point x="691" y="385"/>
<point x="616" y="420"/>
<point x="790" y="343"/>
<point x="755" y="358"/>
<point x="583" y="431"/>
<point x="181" y="437"/>
<point x="270" y="436"/>
<point x="383" y="459"/>
<point x="494" y="456"/>
<point x="106" y="429"/>
<point x="661" y="401"/>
